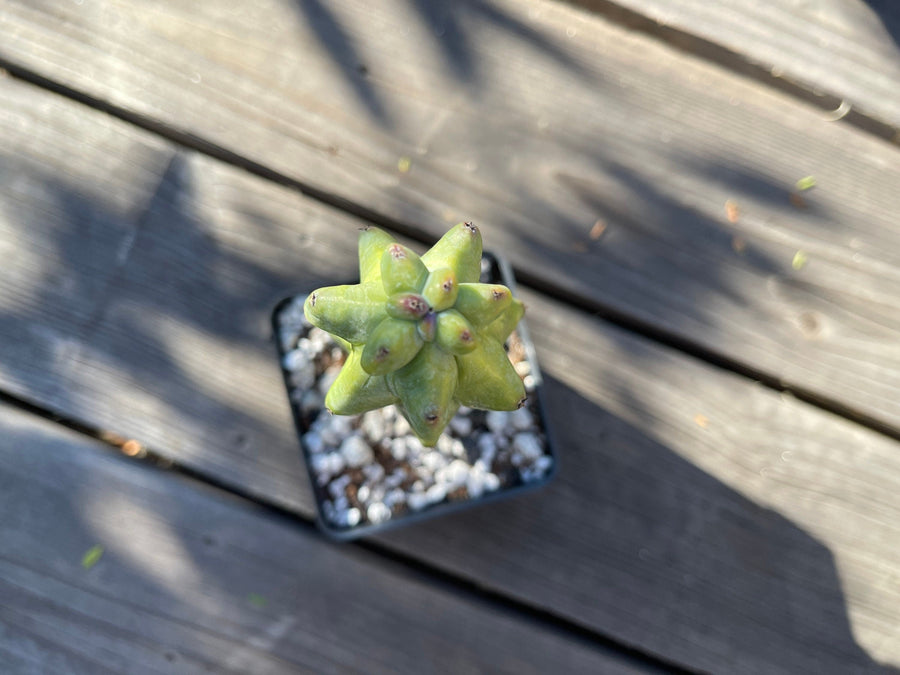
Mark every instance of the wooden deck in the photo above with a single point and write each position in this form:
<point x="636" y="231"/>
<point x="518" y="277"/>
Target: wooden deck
<point x="721" y="345"/>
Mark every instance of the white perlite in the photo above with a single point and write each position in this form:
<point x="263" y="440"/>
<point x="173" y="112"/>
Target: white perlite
<point x="497" y="420"/>
<point x="370" y="468"/>
<point x="528" y="446"/>
<point x="356" y="452"/>
<point x="378" y="512"/>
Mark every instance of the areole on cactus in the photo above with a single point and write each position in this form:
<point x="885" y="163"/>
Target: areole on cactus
<point x="420" y="332"/>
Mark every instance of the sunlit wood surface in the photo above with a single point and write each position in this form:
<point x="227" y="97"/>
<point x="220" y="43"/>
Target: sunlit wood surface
<point x="703" y="220"/>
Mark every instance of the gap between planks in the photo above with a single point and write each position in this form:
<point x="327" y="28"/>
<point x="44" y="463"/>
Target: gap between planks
<point x="739" y="64"/>
<point x="538" y="617"/>
<point x="182" y="182"/>
<point x="608" y="313"/>
<point x="192" y="518"/>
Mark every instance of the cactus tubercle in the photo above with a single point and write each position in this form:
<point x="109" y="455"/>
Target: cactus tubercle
<point x="421" y="332"/>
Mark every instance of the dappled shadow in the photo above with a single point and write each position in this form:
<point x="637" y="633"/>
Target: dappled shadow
<point x="888" y="12"/>
<point x="133" y="324"/>
<point x="649" y="229"/>
<point x="659" y="530"/>
<point x="676" y="549"/>
<point x="658" y="259"/>
<point x="448" y="22"/>
<point x="632" y="537"/>
<point x="694" y="246"/>
<point x="335" y="40"/>
<point x="188" y="579"/>
<point x="167" y="311"/>
<point x="450" y="27"/>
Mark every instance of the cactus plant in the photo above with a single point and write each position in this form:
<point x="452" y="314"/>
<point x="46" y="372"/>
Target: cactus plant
<point x="420" y="332"/>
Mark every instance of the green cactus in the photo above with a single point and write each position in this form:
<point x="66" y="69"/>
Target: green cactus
<point x="420" y="332"/>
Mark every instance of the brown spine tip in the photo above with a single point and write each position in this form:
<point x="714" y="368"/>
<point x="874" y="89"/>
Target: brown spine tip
<point x="521" y="403"/>
<point x="312" y="300"/>
<point x="465" y="336"/>
<point x="471" y="226"/>
<point x="397" y="251"/>
<point x="383" y="353"/>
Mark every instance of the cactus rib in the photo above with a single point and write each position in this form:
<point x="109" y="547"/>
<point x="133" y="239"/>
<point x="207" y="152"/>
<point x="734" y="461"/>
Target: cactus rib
<point x="421" y="332"/>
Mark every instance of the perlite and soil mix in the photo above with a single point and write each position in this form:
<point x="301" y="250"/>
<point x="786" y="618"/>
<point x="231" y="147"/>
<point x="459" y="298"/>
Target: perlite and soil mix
<point x="369" y="471"/>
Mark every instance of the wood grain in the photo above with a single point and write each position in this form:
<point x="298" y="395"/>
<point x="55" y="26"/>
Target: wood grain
<point x="191" y="580"/>
<point x="712" y="522"/>
<point x="539" y="121"/>
<point x="846" y="50"/>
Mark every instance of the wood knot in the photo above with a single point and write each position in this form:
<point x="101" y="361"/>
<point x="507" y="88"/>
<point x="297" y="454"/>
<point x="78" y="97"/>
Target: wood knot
<point x="810" y="324"/>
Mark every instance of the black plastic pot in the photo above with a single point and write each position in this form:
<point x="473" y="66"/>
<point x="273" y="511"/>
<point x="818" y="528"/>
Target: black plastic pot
<point x="523" y="456"/>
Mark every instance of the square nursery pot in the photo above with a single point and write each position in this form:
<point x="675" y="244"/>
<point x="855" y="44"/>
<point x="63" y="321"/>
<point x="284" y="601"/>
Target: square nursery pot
<point x="369" y="472"/>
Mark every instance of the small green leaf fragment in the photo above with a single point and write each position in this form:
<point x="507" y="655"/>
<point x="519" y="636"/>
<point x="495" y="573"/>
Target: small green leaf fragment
<point x="806" y="183"/>
<point x="256" y="600"/>
<point x="92" y="556"/>
<point x="404" y="164"/>
<point x="800" y="260"/>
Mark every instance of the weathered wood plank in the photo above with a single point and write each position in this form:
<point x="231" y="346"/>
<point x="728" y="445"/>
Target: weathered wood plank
<point x="697" y="516"/>
<point x="191" y="580"/>
<point x="538" y="120"/>
<point x="672" y="476"/>
<point x="845" y="49"/>
<point x="73" y="221"/>
<point x="22" y="653"/>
